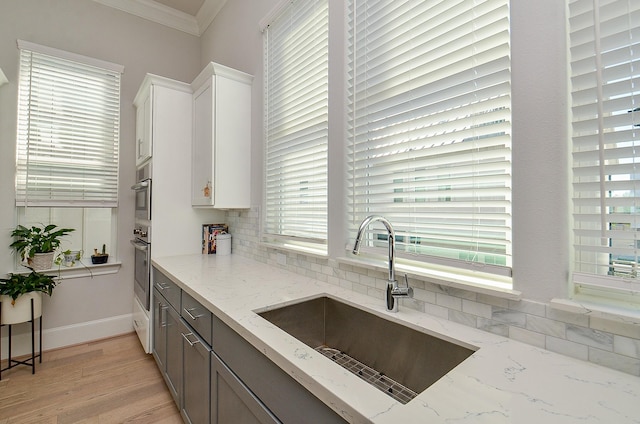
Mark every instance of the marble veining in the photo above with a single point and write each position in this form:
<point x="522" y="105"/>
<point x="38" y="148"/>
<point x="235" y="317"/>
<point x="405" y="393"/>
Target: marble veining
<point x="503" y="381"/>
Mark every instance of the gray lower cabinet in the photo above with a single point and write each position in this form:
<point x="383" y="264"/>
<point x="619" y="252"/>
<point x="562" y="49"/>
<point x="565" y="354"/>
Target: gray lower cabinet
<point x="215" y="376"/>
<point x="196" y="367"/>
<point x="231" y="401"/>
<point x="167" y="344"/>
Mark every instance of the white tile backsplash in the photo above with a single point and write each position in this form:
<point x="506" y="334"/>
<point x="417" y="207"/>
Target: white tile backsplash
<point x="546" y="326"/>
<point x="626" y="346"/>
<point x="589" y="337"/>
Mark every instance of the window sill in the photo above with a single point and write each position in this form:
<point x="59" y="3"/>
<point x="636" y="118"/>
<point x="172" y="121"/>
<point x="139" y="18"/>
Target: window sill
<point x="80" y="271"/>
<point x="303" y="250"/>
<point x="478" y="282"/>
<point x="614" y="311"/>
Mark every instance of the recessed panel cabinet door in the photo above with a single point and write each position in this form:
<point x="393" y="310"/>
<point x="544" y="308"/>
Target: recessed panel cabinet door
<point x="195" y="405"/>
<point x="231" y="401"/>
<point x="160" y="307"/>
<point x="174" y="330"/>
<point x="221" y="144"/>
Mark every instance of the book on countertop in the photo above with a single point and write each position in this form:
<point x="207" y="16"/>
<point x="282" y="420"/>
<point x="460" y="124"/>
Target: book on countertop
<point x="209" y="233"/>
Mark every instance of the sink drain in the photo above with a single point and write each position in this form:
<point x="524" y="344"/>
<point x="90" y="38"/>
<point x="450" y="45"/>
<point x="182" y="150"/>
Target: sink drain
<point x="385" y="384"/>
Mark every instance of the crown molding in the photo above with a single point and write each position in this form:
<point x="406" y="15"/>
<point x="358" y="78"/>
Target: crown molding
<point x="172" y="18"/>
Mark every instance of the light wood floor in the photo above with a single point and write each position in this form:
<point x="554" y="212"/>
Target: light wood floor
<point x="107" y="381"/>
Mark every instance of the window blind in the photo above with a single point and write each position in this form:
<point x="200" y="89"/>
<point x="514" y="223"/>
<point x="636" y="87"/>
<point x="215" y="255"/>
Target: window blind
<point x="68" y="132"/>
<point x="296" y="128"/>
<point x="429" y="127"/>
<point x="605" y="73"/>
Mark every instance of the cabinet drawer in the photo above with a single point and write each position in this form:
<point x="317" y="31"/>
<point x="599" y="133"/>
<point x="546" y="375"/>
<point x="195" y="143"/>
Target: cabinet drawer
<point x="167" y="288"/>
<point x="197" y="316"/>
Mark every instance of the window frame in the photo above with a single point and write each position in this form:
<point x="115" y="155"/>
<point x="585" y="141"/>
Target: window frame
<point x="42" y="211"/>
<point x="411" y="256"/>
<point x="68" y="132"/>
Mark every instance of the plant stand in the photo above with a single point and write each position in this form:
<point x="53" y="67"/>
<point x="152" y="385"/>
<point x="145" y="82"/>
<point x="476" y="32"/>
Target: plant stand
<point x="29" y="361"/>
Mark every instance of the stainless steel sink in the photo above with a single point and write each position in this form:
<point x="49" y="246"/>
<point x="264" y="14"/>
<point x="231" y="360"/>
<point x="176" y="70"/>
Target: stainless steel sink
<point x="393" y="357"/>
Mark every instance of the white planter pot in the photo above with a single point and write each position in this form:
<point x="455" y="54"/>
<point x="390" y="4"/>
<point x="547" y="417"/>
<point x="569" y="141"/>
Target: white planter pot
<point x="41" y="261"/>
<point x="21" y="310"/>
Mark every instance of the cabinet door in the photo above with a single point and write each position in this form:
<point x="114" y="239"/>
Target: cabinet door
<point x="231" y="400"/>
<point x="160" y="307"/>
<point x="202" y="147"/>
<point x="195" y="404"/>
<point x="221" y="164"/>
<point x="144" y="130"/>
<point x="174" y="329"/>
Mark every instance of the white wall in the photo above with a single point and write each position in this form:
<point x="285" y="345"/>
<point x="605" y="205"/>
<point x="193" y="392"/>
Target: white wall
<point x="88" y="28"/>
<point x="540" y="149"/>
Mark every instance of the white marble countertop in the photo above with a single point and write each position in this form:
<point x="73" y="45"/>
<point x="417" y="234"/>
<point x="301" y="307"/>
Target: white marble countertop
<point x="504" y="381"/>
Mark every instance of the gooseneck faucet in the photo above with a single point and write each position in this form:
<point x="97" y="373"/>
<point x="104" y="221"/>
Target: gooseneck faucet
<point x="393" y="291"/>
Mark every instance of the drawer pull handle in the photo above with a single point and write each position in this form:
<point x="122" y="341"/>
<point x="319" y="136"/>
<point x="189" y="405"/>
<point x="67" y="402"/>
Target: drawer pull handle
<point x="188" y="312"/>
<point x="186" y="337"/>
<point x="163" y="313"/>
<point x="160" y="287"/>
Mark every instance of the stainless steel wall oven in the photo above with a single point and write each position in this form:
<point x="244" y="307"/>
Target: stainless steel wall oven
<point x="142" y="190"/>
<point x="142" y="268"/>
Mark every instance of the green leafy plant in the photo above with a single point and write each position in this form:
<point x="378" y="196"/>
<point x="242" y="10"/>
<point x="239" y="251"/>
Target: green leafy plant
<point x="62" y="257"/>
<point x="19" y="284"/>
<point x="30" y="241"/>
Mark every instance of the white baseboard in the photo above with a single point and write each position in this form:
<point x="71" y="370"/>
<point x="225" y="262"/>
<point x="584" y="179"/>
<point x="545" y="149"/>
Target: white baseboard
<point x="53" y="338"/>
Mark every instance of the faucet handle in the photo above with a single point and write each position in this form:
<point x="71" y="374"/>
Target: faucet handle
<point x="403" y="291"/>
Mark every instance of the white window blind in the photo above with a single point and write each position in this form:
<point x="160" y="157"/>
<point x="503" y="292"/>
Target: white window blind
<point x="68" y="131"/>
<point x="430" y="127"/>
<point x="296" y="129"/>
<point x="605" y="95"/>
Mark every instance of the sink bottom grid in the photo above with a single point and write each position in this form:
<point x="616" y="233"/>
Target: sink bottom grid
<point x="391" y="387"/>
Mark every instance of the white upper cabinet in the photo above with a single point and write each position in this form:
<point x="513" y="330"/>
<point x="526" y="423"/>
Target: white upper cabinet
<point x="221" y="150"/>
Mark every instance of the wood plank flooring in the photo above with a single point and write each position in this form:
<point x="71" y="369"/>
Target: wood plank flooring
<point x="102" y="382"/>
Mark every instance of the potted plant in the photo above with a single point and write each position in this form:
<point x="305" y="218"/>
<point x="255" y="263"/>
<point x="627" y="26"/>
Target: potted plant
<point x="69" y="257"/>
<point x="100" y="258"/>
<point x="16" y="293"/>
<point x="36" y="245"/>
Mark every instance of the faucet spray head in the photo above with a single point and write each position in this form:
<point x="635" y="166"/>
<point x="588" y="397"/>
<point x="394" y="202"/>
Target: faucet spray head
<point x="356" y="247"/>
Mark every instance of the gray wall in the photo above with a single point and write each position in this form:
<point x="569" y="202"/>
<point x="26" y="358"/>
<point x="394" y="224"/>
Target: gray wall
<point x="88" y="28"/>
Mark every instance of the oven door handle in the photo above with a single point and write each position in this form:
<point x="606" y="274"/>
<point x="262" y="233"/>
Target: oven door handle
<point x="140" y="245"/>
<point x="140" y="185"/>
